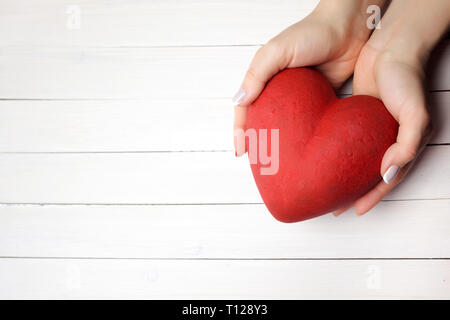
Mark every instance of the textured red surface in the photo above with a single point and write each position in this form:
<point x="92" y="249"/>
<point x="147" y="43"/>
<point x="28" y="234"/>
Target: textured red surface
<point x="330" y="149"/>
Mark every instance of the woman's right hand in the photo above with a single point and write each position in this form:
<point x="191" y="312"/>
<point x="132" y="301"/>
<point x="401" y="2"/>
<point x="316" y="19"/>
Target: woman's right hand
<point x="330" y="39"/>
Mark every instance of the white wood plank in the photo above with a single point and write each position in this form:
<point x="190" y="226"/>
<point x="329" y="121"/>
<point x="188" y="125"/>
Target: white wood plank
<point x="124" y="125"/>
<point x="400" y="229"/>
<point x="94" y="63"/>
<point x="283" y="279"/>
<point x="438" y="69"/>
<point x="116" y="73"/>
<point x="146" y="23"/>
<point x="440" y="116"/>
<point x="134" y="73"/>
<point x="139" y="125"/>
<point x="200" y="177"/>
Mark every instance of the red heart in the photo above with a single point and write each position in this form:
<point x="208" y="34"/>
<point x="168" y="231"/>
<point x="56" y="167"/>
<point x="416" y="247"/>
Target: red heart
<point x="330" y="149"/>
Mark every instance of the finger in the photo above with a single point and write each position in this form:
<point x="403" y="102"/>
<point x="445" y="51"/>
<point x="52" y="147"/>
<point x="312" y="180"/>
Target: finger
<point x="371" y="198"/>
<point x="240" y="115"/>
<point x="267" y="61"/>
<point x="408" y="102"/>
<point x="411" y="140"/>
<point x="340" y="211"/>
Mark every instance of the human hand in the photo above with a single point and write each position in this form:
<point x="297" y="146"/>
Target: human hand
<point x="330" y="38"/>
<point x="391" y="67"/>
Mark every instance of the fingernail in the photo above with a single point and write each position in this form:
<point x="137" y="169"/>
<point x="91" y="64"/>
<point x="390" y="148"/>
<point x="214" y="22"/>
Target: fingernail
<point x="239" y="96"/>
<point x="390" y="174"/>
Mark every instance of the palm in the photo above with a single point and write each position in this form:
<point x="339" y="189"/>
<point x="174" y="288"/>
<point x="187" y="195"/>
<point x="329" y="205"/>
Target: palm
<point x="379" y="81"/>
<point x="398" y="85"/>
<point x="334" y="55"/>
<point x="311" y="42"/>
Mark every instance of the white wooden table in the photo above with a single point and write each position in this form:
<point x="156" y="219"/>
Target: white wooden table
<point x="118" y="179"/>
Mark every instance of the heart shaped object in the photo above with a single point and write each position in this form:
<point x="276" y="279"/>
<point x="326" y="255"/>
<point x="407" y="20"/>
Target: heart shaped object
<point x="316" y="153"/>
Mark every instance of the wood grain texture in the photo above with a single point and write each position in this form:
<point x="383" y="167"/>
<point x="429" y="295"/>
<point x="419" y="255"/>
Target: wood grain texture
<point x="126" y="112"/>
<point x="129" y="125"/>
<point x="140" y="73"/>
<point x="146" y="23"/>
<point x="140" y="125"/>
<point x="224" y="279"/>
<point x="199" y="177"/>
<point x="394" y="229"/>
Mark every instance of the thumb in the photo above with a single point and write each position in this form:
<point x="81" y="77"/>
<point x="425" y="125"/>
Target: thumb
<point x="268" y="60"/>
<point x="407" y="104"/>
<point x="414" y="132"/>
<point x="400" y="88"/>
<point x="411" y="140"/>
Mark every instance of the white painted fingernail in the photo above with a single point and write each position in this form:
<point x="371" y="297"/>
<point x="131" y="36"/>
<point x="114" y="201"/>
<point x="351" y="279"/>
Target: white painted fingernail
<point x="390" y="174"/>
<point x="239" y="96"/>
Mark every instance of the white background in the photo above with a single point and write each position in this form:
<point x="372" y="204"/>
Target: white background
<point x="118" y="179"/>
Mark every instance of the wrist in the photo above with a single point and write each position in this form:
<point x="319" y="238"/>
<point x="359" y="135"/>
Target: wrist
<point x="348" y="17"/>
<point x="410" y="30"/>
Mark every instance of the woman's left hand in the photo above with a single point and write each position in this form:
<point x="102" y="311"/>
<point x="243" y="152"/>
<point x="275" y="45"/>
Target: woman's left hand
<point x="391" y="67"/>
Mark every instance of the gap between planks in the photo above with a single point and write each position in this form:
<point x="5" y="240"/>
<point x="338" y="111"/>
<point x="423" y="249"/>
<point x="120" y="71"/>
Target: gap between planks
<point x="149" y="151"/>
<point x="223" y="259"/>
<point x="49" y="204"/>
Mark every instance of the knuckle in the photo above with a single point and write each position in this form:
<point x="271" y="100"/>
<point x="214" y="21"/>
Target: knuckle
<point x="266" y="51"/>
<point x="251" y="74"/>
<point x="259" y="52"/>
<point x="410" y="153"/>
<point x="252" y="77"/>
<point x="272" y="46"/>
